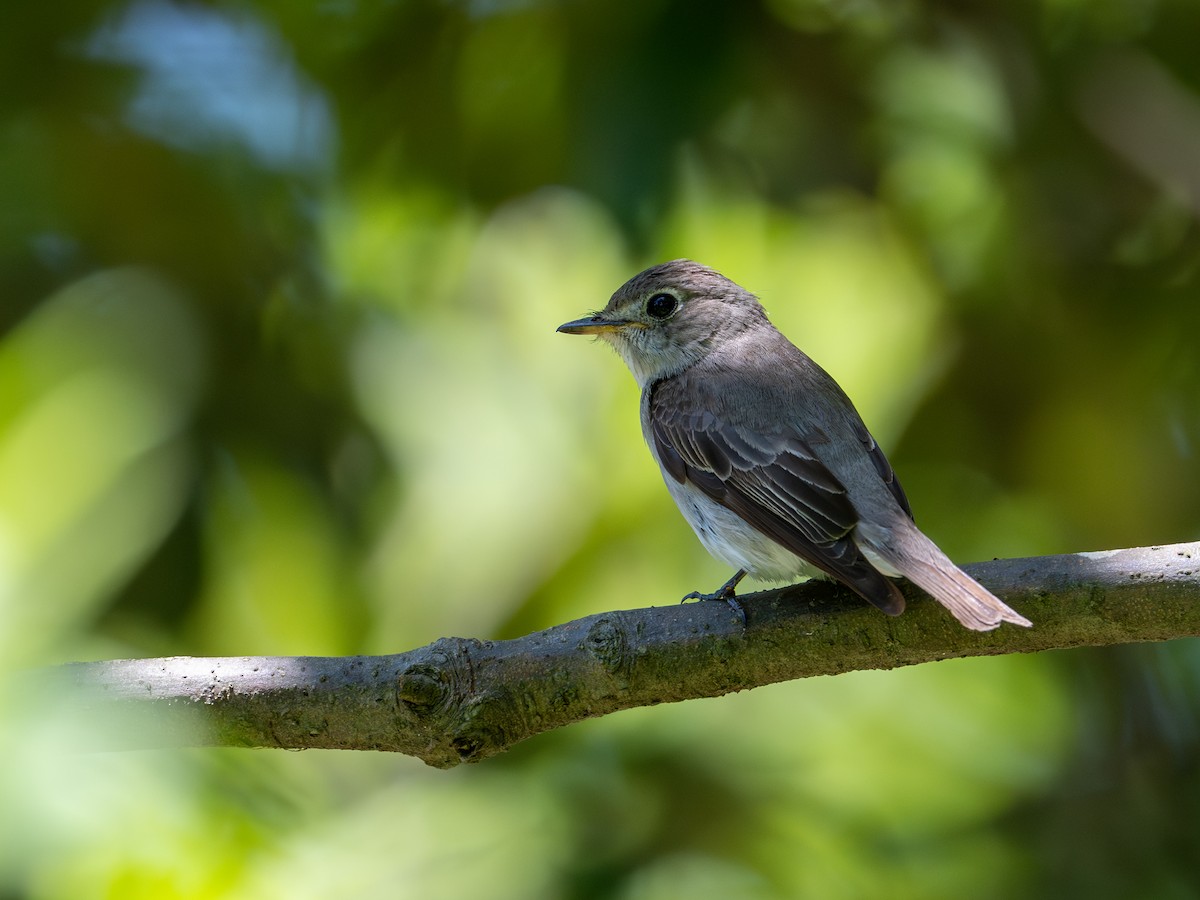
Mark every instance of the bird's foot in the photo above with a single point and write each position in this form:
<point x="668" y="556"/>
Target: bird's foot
<point x="726" y="592"/>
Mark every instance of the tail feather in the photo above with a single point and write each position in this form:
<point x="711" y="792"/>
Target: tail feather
<point x="911" y="554"/>
<point x="968" y="601"/>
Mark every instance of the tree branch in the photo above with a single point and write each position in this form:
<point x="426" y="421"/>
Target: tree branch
<point x="463" y="700"/>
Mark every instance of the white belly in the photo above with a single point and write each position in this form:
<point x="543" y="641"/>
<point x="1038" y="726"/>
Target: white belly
<point x="727" y="537"/>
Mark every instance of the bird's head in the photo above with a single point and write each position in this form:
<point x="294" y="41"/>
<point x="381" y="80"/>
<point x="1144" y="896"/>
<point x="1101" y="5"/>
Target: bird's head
<point x="671" y="316"/>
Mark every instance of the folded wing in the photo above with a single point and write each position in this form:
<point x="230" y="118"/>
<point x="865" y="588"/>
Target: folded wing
<point x="776" y="483"/>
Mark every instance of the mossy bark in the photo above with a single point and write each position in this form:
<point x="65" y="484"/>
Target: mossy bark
<point x="464" y="700"/>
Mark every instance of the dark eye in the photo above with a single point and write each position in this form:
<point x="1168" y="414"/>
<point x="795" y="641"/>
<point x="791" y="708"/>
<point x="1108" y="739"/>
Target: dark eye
<point x="661" y="305"/>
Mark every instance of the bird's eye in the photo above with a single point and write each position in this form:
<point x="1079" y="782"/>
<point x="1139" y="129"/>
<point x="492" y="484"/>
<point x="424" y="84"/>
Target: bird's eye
<point x="660" y="306"/>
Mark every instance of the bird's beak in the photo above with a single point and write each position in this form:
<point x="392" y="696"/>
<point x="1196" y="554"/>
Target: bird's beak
<point x="592" y="325"/>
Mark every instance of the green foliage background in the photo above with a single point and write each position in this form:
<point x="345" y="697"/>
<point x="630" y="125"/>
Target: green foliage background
<point x="278" y="375"/>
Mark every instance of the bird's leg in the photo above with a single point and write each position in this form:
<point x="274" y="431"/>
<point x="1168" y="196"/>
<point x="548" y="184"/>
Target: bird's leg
<point x="726" y="592"/>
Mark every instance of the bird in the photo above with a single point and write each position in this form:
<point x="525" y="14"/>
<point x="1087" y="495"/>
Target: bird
<point x="764" y="453"/>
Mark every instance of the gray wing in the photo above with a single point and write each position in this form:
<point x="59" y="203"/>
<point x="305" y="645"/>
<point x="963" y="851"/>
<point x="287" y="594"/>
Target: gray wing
<point x="776" y="483"/>
<point x="884" y="468"/>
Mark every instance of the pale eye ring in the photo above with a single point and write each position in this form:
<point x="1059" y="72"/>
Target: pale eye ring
<point x="660" y="306"/>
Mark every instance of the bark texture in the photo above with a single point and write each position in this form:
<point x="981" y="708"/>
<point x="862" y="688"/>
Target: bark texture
<point x="464" y="700"/>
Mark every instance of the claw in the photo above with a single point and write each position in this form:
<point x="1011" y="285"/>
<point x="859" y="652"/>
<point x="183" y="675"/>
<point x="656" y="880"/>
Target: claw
<point x="726" y="592"/>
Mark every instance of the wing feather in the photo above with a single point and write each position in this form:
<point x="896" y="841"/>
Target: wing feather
<point x="776" y="483"/>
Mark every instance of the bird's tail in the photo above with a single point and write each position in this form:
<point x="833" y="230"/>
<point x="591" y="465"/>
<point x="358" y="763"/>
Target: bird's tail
<point x="911" y="554"/>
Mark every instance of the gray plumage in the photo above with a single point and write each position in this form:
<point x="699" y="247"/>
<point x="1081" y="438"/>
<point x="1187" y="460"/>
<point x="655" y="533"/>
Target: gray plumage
<point x="764" y="453"/>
